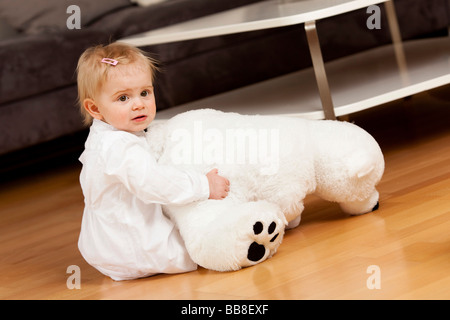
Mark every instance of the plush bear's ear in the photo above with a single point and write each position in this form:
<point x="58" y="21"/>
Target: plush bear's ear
<point x="156" y="138"/>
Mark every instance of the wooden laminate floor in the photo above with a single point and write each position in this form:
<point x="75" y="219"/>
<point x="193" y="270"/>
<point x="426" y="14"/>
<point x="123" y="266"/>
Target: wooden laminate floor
<point x="404" y="247"/>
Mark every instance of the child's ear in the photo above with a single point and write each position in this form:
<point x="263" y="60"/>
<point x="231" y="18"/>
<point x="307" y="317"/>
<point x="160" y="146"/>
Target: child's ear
<point x="92" y="108"/>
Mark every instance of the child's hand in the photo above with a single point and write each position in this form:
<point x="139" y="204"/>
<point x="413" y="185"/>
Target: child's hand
<point x="218" y="185"/>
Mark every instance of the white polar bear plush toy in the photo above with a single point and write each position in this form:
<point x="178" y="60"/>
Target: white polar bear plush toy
<point x="272" y="163"/>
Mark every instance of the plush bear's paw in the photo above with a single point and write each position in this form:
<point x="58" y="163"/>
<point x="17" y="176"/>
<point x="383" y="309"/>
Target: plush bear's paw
<point x="233" y="235"/>
<point x="267" y="239"/>
<point x="361" y="207"/>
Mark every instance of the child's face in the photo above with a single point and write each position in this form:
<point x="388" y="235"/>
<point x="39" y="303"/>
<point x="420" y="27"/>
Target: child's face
<point x="126" y="100"/>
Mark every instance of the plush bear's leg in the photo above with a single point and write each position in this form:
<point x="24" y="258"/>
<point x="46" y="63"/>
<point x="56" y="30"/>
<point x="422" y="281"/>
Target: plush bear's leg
<point x="348" y="165"/>
<point x="226" y="235"/>
<point x="294" y="223"/>
<point x="293" y="214"/>
<point x="361" y="207"/>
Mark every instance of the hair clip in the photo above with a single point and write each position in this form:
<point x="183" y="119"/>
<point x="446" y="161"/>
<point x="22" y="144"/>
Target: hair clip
<point x="110" y="61"/>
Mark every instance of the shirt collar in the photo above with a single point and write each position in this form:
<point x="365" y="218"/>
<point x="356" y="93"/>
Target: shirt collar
<point x="103" y="126"/>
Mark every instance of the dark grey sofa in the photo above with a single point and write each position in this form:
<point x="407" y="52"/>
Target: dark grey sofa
<point x="38" y="57"/>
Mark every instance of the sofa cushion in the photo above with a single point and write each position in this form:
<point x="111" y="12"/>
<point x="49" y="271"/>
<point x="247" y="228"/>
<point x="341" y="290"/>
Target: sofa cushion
<point x="29" y="121"/>
<point x="6" y="31"/>
<point x="40" y="63"/>
<point x="147" y="2"/>
<point x="39" y="16"/>
<point x="137" y="19"/>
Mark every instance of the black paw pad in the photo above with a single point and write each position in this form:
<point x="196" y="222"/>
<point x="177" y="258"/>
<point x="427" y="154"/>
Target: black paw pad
<point x="258" y="227"/>
<point x="257" y="251"/>
<point x="376" y="206"/>
<point x="272" y="227"/>
<point x="274" y="237"/>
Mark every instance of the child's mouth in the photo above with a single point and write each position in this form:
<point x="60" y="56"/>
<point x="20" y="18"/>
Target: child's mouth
<point x="140" y="118"/>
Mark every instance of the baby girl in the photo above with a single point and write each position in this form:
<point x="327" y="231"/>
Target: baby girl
<point x="124" y="233"/>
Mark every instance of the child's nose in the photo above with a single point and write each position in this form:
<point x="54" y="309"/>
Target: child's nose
<point x="138" y="104"/>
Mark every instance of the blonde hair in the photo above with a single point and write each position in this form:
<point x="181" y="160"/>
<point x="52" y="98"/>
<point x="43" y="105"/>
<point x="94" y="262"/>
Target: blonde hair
<point x="92" y="72"/>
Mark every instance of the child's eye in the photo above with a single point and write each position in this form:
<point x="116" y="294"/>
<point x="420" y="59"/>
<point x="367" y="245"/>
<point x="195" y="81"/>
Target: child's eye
<point x="144" y="93"/>
<point x="123" y="98"/>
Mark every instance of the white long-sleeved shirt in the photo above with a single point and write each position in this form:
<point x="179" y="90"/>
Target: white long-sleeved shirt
<point x="124" y="233"/>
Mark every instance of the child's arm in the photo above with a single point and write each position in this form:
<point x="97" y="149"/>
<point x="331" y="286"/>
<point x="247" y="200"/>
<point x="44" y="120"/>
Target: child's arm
<point x="131" y="164"/>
